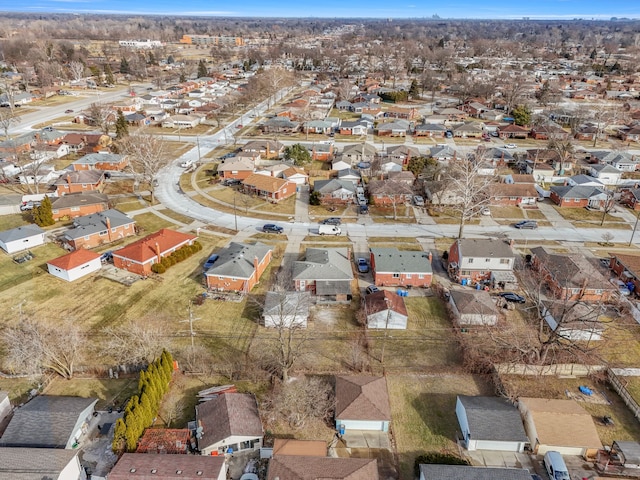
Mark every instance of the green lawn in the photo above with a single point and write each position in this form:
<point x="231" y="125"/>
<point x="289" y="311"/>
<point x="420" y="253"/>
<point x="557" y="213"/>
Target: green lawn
<point x="150" y="222"/>
<point x="8" y="222"/>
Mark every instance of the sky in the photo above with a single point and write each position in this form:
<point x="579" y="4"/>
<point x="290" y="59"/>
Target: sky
<point x="538" y="9"/>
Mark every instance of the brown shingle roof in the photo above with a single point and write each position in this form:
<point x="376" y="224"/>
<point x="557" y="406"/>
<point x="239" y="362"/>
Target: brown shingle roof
<point x="142" y="466"/>
<point x="514" y="190"/>
<point x="226" y="415"/>
<point x="476" y="302"/>
<point x="309" y="448"/>
<point x="286" y="467"/>
<point x="377" y="302"/>
<point x="630" y="262"/>
<point x="265" y="183"/>
<point x="570" y="270"/>
<point x="362" y="397"/>
<point x="80" y="177"/>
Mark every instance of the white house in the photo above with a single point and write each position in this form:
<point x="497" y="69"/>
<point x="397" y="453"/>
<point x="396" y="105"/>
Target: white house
<point x="606" y="174"/>
<point x="181" y="121"/>
<point x="21" y="238"/>
<point x="340" y="165"/>
<point x="229" y="423"/>
<point x="286" y="309"/>
<point x="473" y="307"/>
<point x="75" y="265"/>
<point x="362" y="403"/>
<point x="296" y="175"/>
<point x="5" y="405"/>
<point x="490" y="423"/>
<point x="61" y="464"/>
<point x="385" y="309"/>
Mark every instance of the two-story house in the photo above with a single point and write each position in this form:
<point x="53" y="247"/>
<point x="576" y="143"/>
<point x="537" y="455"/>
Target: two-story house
<point x="481" y="260"/>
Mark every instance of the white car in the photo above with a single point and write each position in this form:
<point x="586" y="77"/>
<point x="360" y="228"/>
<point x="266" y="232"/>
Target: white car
<point x="510" y="145"/>
<point x="485" y="211"/>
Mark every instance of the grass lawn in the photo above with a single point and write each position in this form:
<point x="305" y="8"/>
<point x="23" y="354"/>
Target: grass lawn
<point x="8" y="222"/>
<point x="607" y="225"/>
<point x="227" y="194"/>
<point x="110" y="392"/>
<point x="385" y="214"/>
<point x="506" y="212"/>
<point x="410" y="247"/>
<point x="178" y="217"/>
<point x="150" y="222"/>
<point x="423" y="413"/>
<point x="13" y="275"/>
<point x="625" y="427"/>
<point x="129" y="204"/>
<point x="534" y="214"/>
<point x="582" y="214"/>
<point x="18" y="388"/>
<point x="286" y="206"/>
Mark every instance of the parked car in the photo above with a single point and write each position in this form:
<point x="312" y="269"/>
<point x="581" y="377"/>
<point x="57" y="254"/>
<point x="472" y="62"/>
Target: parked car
<point x="364" y="209"/>
<point x="230" y="182"/>
<point x="68" y="110"/>
<point x="227" y="155"/>
<point x="371" y="289"/>
<point x="271" y="228"/>
<point x="25" y="207"/>
<point x="527" y="224"/>
<point x="210" y="261"/>
<point x="485" y="211"/>
<point x="418" y="201"/>
<point x="239" y="125"/>
<point x="106" y="256"/>
<point x="249" y="476"/>
<point x="363" y="266"/>
<point x="512" y="297"/>
<point x="331" y="221"/>
<point x="510" y="145"/>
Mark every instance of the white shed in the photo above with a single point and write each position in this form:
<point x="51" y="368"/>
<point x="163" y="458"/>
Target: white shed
<point x="21" y="238"/>
<point x="385" y="309"/>
<point x="75" y="265"/>
<point x="286" y="309"/>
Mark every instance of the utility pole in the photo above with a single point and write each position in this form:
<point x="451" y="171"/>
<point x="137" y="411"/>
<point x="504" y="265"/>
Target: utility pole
<point x="191" y="320"/>
<point x="635" y="225"/>
<point x="386" y="330"/>
<point x="235" y="216"/>
<point x="198" y="143"/>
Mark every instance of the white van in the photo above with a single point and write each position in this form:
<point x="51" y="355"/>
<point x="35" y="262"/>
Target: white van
<point x="556" y="468"/>
<point x="329" y="230"/>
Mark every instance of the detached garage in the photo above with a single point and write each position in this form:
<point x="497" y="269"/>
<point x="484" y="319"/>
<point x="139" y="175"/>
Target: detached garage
<point x="362" y="403"/>
<point x="21" y="238"/>
<point x="75" y="265"/>
<point x="490" y="423"/>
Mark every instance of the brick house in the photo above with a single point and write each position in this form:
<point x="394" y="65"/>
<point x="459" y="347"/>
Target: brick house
<point x="322" y="152"/>
<point x="578" y="196"/>
<point x="139" y="256"/>
<point x="403" y="153"/>
<point x="79" y="181"/>
<point x="630" y="197"/>
<point x="98" y="229"/>
<point x="238" y="168"/>
<point x="550" y="130"/>
<point x="393" y="129"/>
<point x="402" y="113"/>
<point x="239" y="267"/>
<point x="515" y="194"/>
<point x="627" y="268"/>
<point x="392" y="267"/>
<point x="473" y="260"/>
<point x="272" y="189"/>
<point x="325" y="272"/>
<point x="389" y="192"/>
<point x="101" y="161"/>
<point x="512" y="131"/>
<point x="86" y="143"/>
<point x="430" y="130"/>
<point x="571" y="276"/>
<point x="132" y="466"/>
<point x="268" y="149"/>
<point x="78" y="204"/>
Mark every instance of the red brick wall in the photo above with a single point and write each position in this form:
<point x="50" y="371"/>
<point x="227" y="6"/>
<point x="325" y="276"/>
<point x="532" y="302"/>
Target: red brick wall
<point x="77" y="188"/>
<point x="84" y="210"/>
<point x="132" y="267"/>
<point x="240" y="175"/>
<point x="96" y="240"/>
<point x="568" y="203"/>
<point x="387" y="279"/>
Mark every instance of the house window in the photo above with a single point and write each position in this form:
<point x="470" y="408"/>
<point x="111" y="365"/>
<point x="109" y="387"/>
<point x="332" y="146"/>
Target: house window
<point x="75" y="209"/>
<point x="86" y="237"/>
<point x="598" y="291"/>
<point x="408" y="276"/>
<point x="113" y="230"/>
<point x="421" y="276"/>
<point x="513" y="198"/>
<point x="84" y="185"/>
<point x="464" y="272"/>
<point x="470" y="260"/>
<point x="396" y="275"/>
<point x="504" y="261"/>
<point x="576" y="200"/>
<point x="102" y="234"/>
<point x="487" y="260"/>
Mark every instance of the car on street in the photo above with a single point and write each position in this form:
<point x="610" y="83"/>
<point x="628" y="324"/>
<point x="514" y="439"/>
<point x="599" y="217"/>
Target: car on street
<point x="26" y="206"/>
<point x="485" y="211"/>
<point x="527" y="224"/>
<point x="371" y="289"/>
<point x="510" y="145"/>
<point x="68" y="110"/>
<point x="512" y="297"/>
<point x="272" y="228"/>
<point x="363" y="266"/>
<point x="331" y="221"/>
<point x="210" y="261"/>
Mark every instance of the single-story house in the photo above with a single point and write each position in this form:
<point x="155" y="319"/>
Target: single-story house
<point x="606" y="174"/>
<point x="75" y="205"/>
<point x="559" y="425"/>
<point x="393" y="129"/>
<point x="101" y="161"/>
<point x="268" y="149"/>
<point x="230" y="423"/>
<point x="280" y="125"/>
<point x="393" y="267"/>
<point x="490" y="423"/>
<point x="572" y="321"/>
<point x="139" y="256"/>
<point x="97" y="229"/>
<point x="326" y="273"/>
<point x="357" y="127"/>
<point x="351" y="175"/>
<point x="239" y="267"/>
<point x="626" y="267"/>
<point x="430" y="130"/>
<point x="384" y="309"/>
<point x="469" y="130"/>
<point x="459" y="472"/>
<point x="473" y="307"/>
<point x="630" y="197"/>
<point x="512" y="131"/>
<point x="75" y="265"/>
<point x="335" y="191"/>
<point x="40" y="463"/>
<point x="49" y="421"/>
<point x="181" y="121"/>
<point x="362" y="403"/>
<point x="79" y="182"/>
<point x="340" y="164"/>
<point x="515" y="194"/>
<point x="21" y="238"/>
<point x="296" y="175"/>
<point x="389" y="192"/>
<point x="286" y="309"/>
<point x="131" y="466"/>
<point x="295" y="467"/>
<point x="579" y="196"/>
<point x="272" y="189"/>
<point x="360" y="152"/>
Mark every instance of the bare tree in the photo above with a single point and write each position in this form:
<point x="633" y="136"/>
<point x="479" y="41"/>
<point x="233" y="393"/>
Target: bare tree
<point x="7" y="120"/>
<point x="396" y="193"/>
<point x="469" y="186"/>
<point x="135" y="342"/>
<point x="102" y="116"/>
<point x="274" y="80"/>
<point x="564" y="148"/>
<point x="147" y="157"/>
<point x="34" y="347"/>
<point x="77" y="70"/>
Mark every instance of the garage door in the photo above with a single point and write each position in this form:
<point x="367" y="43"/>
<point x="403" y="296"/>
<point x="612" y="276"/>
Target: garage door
<point x="498" y="446"/>
<point x="362" y="425"/>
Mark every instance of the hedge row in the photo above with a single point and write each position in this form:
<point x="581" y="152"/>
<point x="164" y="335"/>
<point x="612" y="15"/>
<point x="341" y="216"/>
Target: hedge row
<point x="176" y="257"/>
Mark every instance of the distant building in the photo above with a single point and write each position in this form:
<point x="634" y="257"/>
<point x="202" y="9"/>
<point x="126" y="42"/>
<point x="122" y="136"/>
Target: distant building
<point x="220" y="40"/>
<point x="142" y="44"/>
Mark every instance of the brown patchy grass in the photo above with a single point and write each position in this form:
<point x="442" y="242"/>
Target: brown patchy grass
<point x="8" y="222"/>
<point x="534" y="214"/>
<point x="110" y="392"/>
<point x="150" y="222"/>
<point x="129" y="204"/>
<point x="423" y="413"/>
<point x="584" y="215"/>
<point x="506" y="212"/>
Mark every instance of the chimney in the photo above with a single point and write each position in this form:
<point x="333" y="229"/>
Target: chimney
<point x="68" y="179"/>
<point x="108" y="224"/>
<point x="430" y="257"/>
<point x="256" y="262"/>
<point x="511" y="242"/>
<point x="157" y="249"/>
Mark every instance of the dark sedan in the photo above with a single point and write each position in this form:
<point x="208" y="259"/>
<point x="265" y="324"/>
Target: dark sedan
<point x="331" y="221"/>
<point x="512" y="297"/>
<point x="271" y="228"/>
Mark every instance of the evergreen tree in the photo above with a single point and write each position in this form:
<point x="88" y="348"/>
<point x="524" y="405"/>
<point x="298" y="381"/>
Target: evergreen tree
<point x="299" y="154"/>
<point x="124" y="66"/>
<point x="183" y="77"/>
<point x="521" y="115"/>
<point x="414" y="89"/>
<point x="202" y="69"/>
<point x="43" y="214"/>
<point x="122" y="128"/>
<point x="108" y="75"/>
<point x="119" y="435"/>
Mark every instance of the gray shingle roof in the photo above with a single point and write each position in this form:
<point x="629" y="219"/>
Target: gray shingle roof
<point x="19" y="233"/>
<point x="493" y="418"/>
<point x="299" y="467"/>
<point x="80" y="177"/>
<point x="459" y="472"/>
<point x="226" y="415"/>
<point x="79" y="200"/>
<point x="236" y="260"/>
<point x="33" y="463"/>
<point x="485" y="248"/>
<point x="579" y="191"/>
<point x="96" y="223"/>
<point x="46" y="421"/>
<point x="286" y="303"/>
<point x="324" y="264"/>
<point x="392" y="260"/>
<point x="93" y="158"/>
<point x="362" y="397"/>
<point x="328" y="186"/>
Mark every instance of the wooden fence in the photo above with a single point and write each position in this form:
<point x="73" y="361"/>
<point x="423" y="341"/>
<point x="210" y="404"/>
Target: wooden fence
<point x="619" y="387"/>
